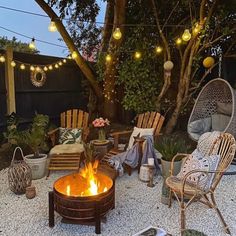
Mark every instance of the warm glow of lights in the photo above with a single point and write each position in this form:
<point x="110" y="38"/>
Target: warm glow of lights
<point x="197" y="29"/>
<point x="52" y="26"/>
<point x="89" y="174"/>
<point x="37" y="68"/>
<point x="178" y="41"/>
<point x="108" y="58"/>
<point x="45" y="68"/>
<point x="50" y="67"/>
<point x="60" y="63"/>
<point x="22" y="66"/>
<point x="137" y="55"/>
<point x="68" y="190"/>
<point x="2" y="59"/>
<point x="186" y="35"/>
<point x="13" y="64"/>
<point x="159" y="49"/>
<point x="117" y="34"/>
<point x="74" y="54"/>
<point x="69" y="57"/>
<point x="32" y="68"/>
<point x="32" y="44"/>
<point x="56" y="66"/>
<point x="64" y="60"/>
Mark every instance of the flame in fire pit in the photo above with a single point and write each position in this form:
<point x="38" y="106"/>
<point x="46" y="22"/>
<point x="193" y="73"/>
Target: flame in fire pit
<point x="85" y="183"/>
<point x="88" y="172"/>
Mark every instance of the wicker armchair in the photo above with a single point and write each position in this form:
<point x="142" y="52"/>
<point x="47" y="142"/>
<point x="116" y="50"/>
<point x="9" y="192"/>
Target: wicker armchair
<point x="183" y="190"/>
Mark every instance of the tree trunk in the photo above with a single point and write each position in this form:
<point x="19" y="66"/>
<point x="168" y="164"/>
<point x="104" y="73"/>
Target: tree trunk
<point x="110" y="104"/>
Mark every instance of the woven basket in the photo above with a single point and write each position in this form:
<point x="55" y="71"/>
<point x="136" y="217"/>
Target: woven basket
<point x="19" y="174"/>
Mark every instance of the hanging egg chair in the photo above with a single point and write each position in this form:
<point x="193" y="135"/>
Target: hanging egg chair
<point x="214" y="110"/>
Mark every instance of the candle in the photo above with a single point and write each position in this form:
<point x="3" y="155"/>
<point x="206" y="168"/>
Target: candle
<point x="68" y="190"/>
<point x="151" y="161"/>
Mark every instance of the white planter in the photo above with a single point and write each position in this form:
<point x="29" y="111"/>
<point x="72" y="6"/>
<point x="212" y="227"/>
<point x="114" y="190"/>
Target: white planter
<point x="37" y="165"/>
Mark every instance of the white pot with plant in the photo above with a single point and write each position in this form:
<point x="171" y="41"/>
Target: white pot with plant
<point x="35" y="139"/>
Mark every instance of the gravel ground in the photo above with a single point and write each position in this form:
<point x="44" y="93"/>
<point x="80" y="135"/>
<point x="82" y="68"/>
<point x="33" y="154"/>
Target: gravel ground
<point x="137" y="206"/>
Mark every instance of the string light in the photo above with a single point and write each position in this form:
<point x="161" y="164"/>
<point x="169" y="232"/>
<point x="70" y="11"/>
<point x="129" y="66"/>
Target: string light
<point x="197" y="29"/>
<point x="56" y="66"/>
<point x="13" y="64"/>
<point x="117" y="34"/>
<point x="69" y="57"/>
<point x="186" y="35"/>
<point x="159" y="49"/>
<point x="32" y="68"/>
<point x="137" y="55"/>
<point x="45" y="68"/>
<point x="22" y="66"/>
<point x="52" y="26"/>
<point x="60" y="63"/>
<point x="50" y="67"/>
<point x="74" y="55"/>
<point x="64" y="60"/>
<point x="2" y="59"/>
<point x="178" y="41"/>
<point x="38" y="68"/>
<point x="108" y="58"/>
<point x="32" y="44"/>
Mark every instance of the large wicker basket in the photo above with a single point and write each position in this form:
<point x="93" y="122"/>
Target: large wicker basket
<point x="19" y="174"/>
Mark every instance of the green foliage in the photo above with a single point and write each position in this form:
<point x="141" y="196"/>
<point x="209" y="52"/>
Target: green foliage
<point x="17" y="46"/>
<point x="34" y="137"/>
<point x="170" y="145"/>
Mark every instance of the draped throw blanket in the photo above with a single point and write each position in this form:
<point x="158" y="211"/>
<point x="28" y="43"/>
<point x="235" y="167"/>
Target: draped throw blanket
<point x="131" y="156"/>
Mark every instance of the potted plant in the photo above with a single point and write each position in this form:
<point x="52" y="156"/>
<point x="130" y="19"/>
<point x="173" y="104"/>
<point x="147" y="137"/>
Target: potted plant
<point x="35" y="139"/>
<point x="169" y="146"/>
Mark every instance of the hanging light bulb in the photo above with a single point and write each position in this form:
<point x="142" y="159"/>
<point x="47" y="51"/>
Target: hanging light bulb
<point x="69" y="57"/>
<point x="50" y="67"/>
<point x="45" y="68"/>
<point x="22" y="66"/>
<point x="178" y="41"/>
<point x="32" y="44"/>
<point x="64" y="60"/>
<point x="2" y="59"/>
<point x="56" y="66"/>
<point x="159" y="49"/>
<point x="38" y="68"/>
<point x="52" y="26"/>
<point x="32" y="68"/>
<point x="137" y="55"/>
<point x="60" y="63"/>
<point x="186" y="35"/>
<point x="108" y="58"/>
<point x="74" y="54"/>
<point x="117" y="34"/>
<point x="13" y="64"/>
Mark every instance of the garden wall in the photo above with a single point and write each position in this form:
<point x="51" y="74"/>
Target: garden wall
<point x="64" y="89"/>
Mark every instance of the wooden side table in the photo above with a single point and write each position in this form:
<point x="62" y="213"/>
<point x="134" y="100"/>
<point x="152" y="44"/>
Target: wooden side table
<point x="102" y="147"/>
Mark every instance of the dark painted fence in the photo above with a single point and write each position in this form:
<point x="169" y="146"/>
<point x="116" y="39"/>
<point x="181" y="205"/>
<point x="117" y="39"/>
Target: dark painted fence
<point x="64" y="89"/>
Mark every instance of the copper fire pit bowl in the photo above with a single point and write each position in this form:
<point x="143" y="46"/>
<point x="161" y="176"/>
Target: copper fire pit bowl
<point x="76" y="205"/>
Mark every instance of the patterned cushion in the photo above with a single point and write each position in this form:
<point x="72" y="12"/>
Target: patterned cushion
<point x="69" y="136"/>
<point x="197" y="161"/>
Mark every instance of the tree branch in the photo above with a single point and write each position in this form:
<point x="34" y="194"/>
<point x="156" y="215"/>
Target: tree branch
<point x="70" y="44"/>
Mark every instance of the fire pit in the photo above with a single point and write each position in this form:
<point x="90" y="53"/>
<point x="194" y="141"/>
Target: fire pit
<point x="82" y="197"/>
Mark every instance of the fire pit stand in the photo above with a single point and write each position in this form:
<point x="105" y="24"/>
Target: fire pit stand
<point x="81" y="210"/>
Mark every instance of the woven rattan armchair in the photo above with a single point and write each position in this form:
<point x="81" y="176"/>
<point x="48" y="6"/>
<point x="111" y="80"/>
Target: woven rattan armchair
<point x="187" y="193"/>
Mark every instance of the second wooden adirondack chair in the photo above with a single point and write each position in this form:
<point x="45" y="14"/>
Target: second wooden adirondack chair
<point x="146" y="120"/>
<point x="67" y="147"/>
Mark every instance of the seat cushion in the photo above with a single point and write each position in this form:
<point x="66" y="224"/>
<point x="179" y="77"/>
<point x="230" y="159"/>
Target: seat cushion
<point x="69" y="135"/>
<point x="198" y="127"/>
<point x="141" y="132"/>
<point x="224" y="108"/>
<point x="67" y="149"/>
<point x="219" y="122"/>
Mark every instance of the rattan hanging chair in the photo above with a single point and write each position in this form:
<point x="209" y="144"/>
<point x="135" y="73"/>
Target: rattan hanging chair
<point x="217" y="91"/>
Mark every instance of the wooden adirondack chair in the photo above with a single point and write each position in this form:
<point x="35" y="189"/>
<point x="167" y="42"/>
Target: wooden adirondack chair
<point x="145" y="120"/>
<point x="66" y="160"/>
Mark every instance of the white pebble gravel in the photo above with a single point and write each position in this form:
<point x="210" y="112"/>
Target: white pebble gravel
<point x="137" y="206"/>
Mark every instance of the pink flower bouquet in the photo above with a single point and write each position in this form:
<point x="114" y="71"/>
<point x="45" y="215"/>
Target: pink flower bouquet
<point x="100" y="122"/>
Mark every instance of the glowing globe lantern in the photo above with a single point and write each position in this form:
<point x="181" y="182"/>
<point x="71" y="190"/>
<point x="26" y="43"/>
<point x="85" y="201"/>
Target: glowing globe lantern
<point x="208" y="62"/>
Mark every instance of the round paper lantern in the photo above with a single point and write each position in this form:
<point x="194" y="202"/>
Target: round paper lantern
<point x="168" y="65"/>
<point x="208" y="62"/>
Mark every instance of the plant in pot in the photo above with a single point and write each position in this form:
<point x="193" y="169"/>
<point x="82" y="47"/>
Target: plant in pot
<point x="35" y="139"/>
<point x="169" y="146"/>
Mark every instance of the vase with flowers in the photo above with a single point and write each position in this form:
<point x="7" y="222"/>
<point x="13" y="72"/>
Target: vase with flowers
<point x="101" y="123"/>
